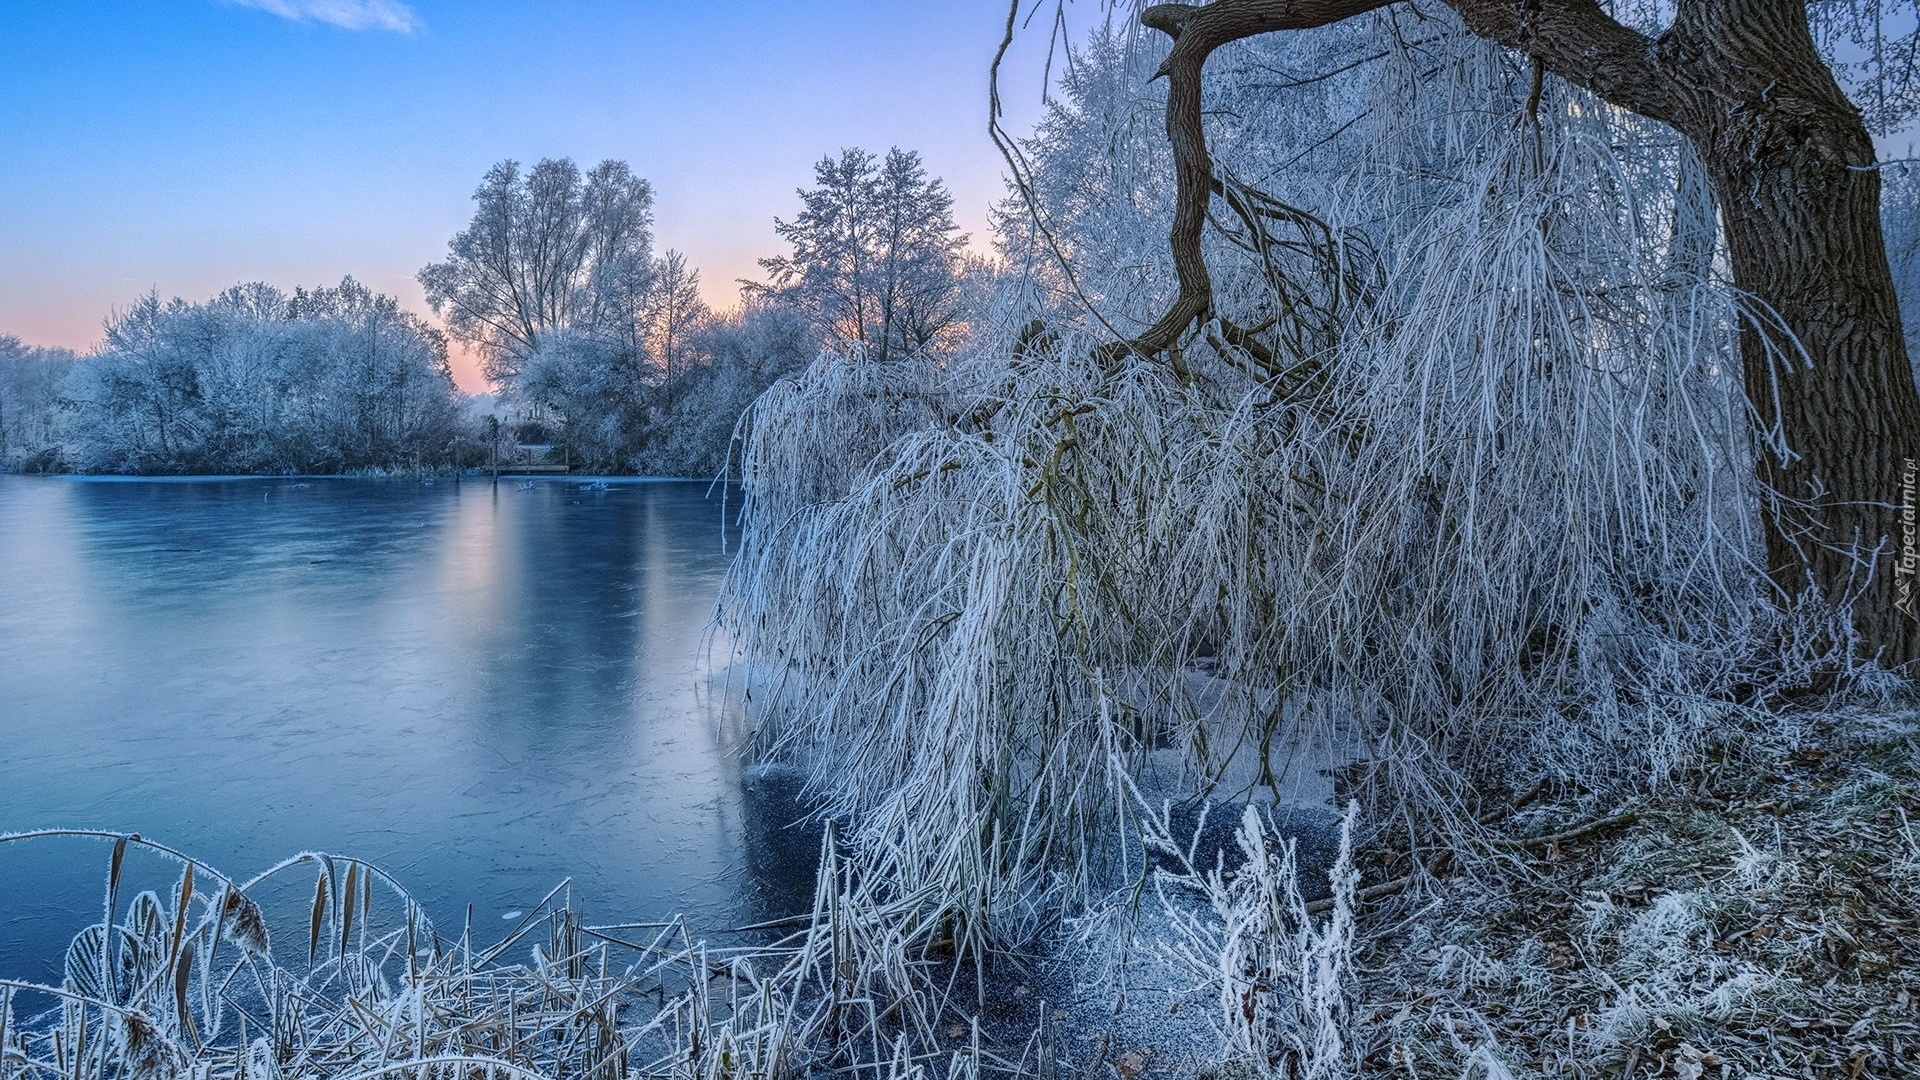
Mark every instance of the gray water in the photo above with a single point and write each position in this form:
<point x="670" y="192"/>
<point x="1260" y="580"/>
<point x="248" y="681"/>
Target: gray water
<point x="482" y="690"/>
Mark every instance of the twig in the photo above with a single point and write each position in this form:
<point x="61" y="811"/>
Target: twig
<point x="1539" y="788"/>
<point x="1364" y="896"/>
<point x="1625" y="817"/>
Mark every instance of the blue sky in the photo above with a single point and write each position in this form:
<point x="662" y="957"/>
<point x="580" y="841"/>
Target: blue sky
<point x="185" y="145"/>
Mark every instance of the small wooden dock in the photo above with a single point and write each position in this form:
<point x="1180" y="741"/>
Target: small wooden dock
<point x="541" y="469"/>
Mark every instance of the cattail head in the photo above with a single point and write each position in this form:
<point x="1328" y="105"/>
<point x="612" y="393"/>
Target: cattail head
<point x="146" y="1054"/>
<point x="241" y="922"/>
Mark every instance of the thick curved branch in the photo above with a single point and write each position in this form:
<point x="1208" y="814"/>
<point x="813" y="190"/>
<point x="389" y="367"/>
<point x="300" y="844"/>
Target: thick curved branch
<point x="1196" y="33"/>
<point x="1574" y="39"/>
<point x="1578" y="41"/>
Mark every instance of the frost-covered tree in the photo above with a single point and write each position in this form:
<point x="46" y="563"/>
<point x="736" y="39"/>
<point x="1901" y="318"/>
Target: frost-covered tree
<point x="381" y="387"/>
<point x="590" y="395"/>
<point x="732" y="359"/>
<point x="258" y="381"/>
<point x="581" y="328"/>
<point x="31" y="379"/>
<point x="548" y="251"/>
<point x="675" y="313"/>
<point x="876" y="254"/>
<point x="1088" y="227"/>
<point x="1900" y="215"/>
<point x="603" y="387"/>
<point x="1448" y="478"/>
<point x="1790" y="160"/>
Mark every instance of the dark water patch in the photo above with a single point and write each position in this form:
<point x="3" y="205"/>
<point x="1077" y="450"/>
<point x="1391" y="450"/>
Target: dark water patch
<point x="782" y="848"/>
<point x="1212" y="830"/>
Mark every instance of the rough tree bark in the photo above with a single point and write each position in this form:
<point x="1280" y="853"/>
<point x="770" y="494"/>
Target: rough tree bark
<point x="1791" y="163"/>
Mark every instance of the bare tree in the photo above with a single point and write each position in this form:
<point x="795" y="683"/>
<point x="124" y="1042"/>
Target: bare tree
<point x="875" y="253"/>
<point x="675" y="311"/>
<point x="540" y="256"/>
<point x="1792" y="165"/>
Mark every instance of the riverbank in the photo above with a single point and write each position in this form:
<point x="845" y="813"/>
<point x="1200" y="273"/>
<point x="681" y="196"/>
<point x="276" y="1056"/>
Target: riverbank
<point x="1754" y="919"/>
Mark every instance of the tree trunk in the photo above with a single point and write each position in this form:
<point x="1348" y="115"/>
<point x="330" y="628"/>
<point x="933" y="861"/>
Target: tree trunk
<point x="1825" y="364"/>
<point x="1824" y="358"/>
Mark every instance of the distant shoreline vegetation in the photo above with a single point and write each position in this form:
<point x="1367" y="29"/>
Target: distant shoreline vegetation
<point x="342" y="382"/>
<point x="600" y="355"/>
<point x="253" y="381"/>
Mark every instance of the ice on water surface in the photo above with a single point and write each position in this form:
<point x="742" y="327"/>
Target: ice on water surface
<point x="482" y="689"/>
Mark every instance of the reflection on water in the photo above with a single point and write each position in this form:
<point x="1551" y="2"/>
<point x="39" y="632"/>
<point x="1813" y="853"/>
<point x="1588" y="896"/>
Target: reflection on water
<point x="483" y="690"/>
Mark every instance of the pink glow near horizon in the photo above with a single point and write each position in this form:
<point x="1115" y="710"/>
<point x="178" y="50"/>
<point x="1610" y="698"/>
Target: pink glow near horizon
<point x="185" y="148"/>
<point x="53" y="312"/>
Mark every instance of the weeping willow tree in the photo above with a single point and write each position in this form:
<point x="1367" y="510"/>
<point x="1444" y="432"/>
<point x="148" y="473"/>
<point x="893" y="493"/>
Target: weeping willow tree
<point x="1430" y="446"/>
<point x="1790" y="159"/>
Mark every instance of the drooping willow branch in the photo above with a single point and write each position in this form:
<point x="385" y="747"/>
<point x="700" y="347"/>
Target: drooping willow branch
<point x="1573" y="38"/>
<point x="1196" y="33"/>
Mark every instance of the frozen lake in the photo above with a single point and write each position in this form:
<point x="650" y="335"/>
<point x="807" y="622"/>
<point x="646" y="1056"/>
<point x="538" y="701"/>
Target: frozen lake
<point x="481" y="690"/>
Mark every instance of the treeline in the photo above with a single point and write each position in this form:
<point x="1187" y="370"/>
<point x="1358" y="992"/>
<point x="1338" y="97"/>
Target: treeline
<point x="32" y="380"/>
<point x="253" y="381"/>
<point x="599" y="352"/>
<point x="600" y="347"/>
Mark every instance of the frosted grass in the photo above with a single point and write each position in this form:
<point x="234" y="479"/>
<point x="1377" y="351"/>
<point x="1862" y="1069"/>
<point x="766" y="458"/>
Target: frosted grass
<point x="1477" y="515"/>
